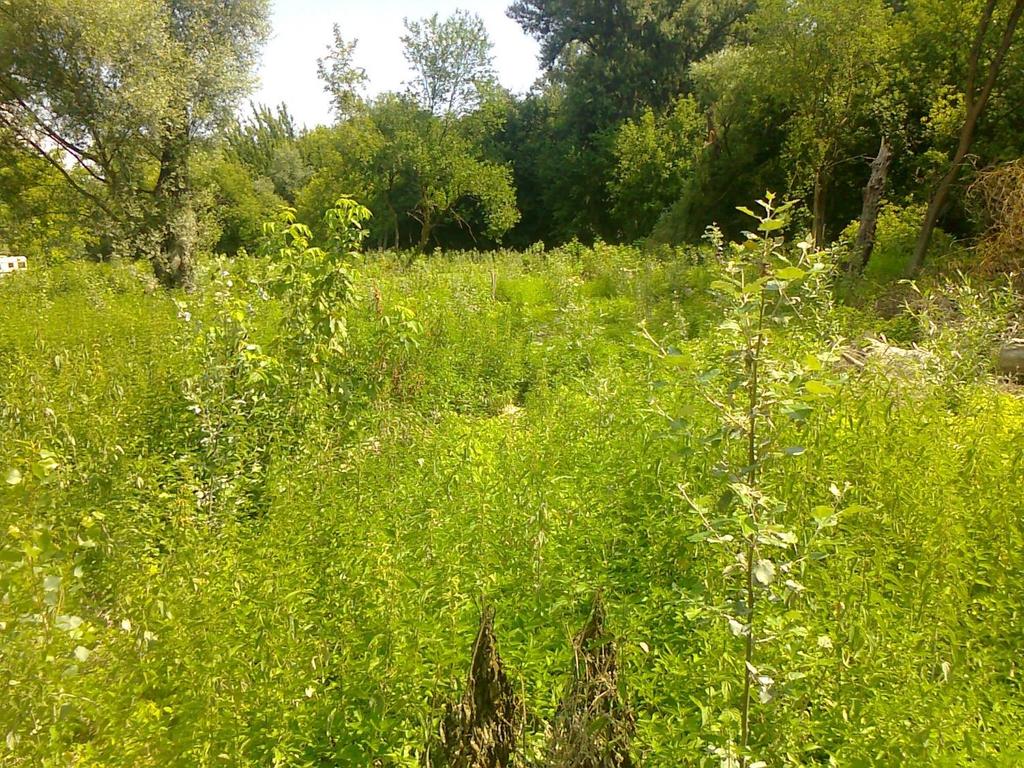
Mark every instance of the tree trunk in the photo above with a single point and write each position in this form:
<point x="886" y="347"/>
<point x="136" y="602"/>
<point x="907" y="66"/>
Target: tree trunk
<point x="976" y="102"/>
<point x="173" y="224"/>
<point x="935" y="208"/>
<point x="941" y="195"/>
<point x="394" y="212"/>
<point x="425" y="231"/>
<point x="872" y="202"/>
<point x="820" y="197"/>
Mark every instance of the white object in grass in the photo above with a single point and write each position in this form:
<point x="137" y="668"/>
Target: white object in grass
<point x="12" y="263"/>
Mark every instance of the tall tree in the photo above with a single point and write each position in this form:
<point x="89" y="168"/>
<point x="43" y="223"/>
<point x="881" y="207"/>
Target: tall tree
<point x="343" y="80"/>
<point x="416" y="171"/>
<point x="120" y="90"/>
<point x="622" y="56"/>
<point x="607" y="61"/>
<point x="825" y="67"/>
<point x="451" y="61"/>
<point x="655" y="157"/>
<point x="81" y="85"/>
<point x="266" y="143"/>
<point x="993" y="38"/>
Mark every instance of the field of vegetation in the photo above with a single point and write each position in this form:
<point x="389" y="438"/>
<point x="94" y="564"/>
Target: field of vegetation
<point x="481" y="429"/>
<point x="222" y="548"/>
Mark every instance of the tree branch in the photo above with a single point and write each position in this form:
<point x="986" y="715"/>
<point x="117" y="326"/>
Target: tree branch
<point x="21" y="135"/>
<point x="1004" y="48"/>
<point x="81" y="156"/>
<point x="975" y="56"/>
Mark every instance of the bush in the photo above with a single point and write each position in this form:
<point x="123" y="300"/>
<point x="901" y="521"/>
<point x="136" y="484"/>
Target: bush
<point x="239" y="203"/>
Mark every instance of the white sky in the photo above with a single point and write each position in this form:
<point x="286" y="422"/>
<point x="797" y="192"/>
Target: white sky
<point x="302" y="32"/>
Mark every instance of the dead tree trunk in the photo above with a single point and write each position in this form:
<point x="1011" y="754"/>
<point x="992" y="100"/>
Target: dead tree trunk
<point x="480" y="731"/>
<point x="873" y="192"/>
<point x="976" y="100"/>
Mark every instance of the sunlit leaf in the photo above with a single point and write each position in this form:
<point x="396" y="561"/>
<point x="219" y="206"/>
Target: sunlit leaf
<point x="764" y="572"/>
<point x="790" y="273"/>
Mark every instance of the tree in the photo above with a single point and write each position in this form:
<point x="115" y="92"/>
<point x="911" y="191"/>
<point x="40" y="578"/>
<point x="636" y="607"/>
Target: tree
<point x="607" y="61"/>
<point x="414" y="169"/>
<point x="419" y="157"/>
<point x="76" y="90"/>
<point x="119" y="91"/>
<point x="993" y="38"/>
<point x="450" y="173"/>
<point x="343" y="80"/>
<point x="825" y="67"/>
<point x="218" y="43"/>
<point x="620" y="56"/>
<point x="451" y="61"/>
<point x="865" y="242"/>
<point x="266" y="143"/>
<point x="241" y="201"/>
<point x="41" y="217"/>
<point x="655" y="157"/>
<point x="528" y="142"/>
<point x="353" y="157"/>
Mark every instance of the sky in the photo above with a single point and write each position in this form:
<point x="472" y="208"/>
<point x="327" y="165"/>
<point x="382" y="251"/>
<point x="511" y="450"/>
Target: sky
<point x="302" y="32"/>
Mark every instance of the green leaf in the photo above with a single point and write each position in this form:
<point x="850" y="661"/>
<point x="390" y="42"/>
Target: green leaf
<point x="790" y="273"/>
<point x="12" y="477"/>
<point x="821" y="513"/>
<point x="856" y="509"/>
<point x="797" y="411"/>
<point x="45" y="466"/>
<point x="723" y="287"/>
<point x="812" y="363"/>
<point x="819" y="388"/>
<point x="786" y="537"/>
<point x="738" y="629"/>
<point x="68" y="623"/>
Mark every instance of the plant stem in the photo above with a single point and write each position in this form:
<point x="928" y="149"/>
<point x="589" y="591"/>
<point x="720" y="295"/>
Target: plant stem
<point x="753" y="390"/>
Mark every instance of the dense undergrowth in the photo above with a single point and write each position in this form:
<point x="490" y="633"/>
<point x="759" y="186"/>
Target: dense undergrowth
<point x="213" y="556"/>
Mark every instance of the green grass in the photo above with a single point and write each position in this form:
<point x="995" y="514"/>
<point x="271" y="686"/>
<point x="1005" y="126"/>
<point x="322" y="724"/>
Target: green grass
<point x="521" y="449"/>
